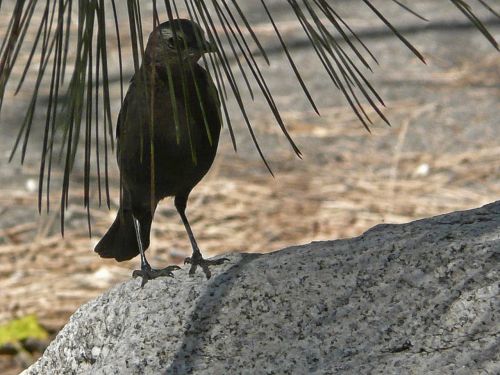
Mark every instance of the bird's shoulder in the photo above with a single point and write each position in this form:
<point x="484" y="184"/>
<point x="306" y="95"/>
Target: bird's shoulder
<point x="138" y="86"/>
<point x="205" y="79"/>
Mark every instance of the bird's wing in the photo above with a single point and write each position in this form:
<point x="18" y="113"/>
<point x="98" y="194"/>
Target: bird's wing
<point x="213" y="93"/>
<point x="122" y="115"/>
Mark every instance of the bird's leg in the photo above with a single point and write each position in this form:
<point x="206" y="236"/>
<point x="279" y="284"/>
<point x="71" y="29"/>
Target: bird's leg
<point x="144" y="262"/>
<point x="196" y="259"/>
<point x="146" y="272"/>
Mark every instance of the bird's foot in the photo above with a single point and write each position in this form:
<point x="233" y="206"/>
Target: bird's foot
<point x="197" y="260"/>
<point x="147" y="273"/>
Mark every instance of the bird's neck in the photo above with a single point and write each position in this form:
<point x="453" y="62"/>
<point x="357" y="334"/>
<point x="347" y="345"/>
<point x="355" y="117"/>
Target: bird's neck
<point x="155" y="70"/>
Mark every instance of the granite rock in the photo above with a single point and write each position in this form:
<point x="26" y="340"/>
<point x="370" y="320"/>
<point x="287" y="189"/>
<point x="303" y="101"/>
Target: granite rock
<point x="417" y="298"/>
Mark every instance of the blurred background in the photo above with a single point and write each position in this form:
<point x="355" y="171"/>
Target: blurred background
<point x="442" y="154"/>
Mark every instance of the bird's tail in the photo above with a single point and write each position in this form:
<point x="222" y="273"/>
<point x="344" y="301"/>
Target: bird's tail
<point x="120" y="241"/>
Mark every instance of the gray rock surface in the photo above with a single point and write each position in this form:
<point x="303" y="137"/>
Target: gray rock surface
<point x="418" y="298"/>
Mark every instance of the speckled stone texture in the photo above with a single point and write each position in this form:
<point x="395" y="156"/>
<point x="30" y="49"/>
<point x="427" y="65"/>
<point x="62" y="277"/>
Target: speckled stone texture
<point x="418" y="298"/>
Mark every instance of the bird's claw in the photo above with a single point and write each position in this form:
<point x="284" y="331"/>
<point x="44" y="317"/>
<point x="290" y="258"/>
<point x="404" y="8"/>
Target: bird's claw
<point x="148" y="273"/>
<point x="196" y="261"/>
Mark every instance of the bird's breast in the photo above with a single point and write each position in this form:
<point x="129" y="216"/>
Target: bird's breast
<point x="171" y="127"/>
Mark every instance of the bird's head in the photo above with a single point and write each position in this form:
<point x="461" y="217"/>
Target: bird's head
<point x="177" y="41"/>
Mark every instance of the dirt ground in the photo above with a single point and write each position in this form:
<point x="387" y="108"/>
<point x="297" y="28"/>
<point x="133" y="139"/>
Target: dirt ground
<point x="441" y="154"/>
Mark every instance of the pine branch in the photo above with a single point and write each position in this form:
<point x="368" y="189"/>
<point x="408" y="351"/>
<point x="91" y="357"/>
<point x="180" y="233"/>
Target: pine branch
<point x="72" y="105"/>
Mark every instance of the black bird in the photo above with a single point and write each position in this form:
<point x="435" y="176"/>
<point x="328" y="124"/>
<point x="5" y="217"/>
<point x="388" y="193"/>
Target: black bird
<point x="167" y="135"/>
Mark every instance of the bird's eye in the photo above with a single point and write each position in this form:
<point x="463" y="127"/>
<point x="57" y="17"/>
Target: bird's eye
<point x="171" y="42"/>
<point x="174" y="43"/>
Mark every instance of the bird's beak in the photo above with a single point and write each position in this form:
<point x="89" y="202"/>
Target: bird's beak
<point x="205" y="47"/>
<point x="209" y="47"/>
